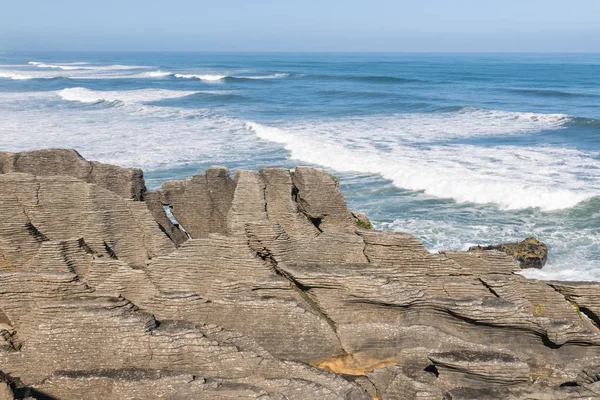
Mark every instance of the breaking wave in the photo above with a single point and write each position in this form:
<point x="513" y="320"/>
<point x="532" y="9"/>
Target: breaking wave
<point x="84" y="95"/>
<point x="210" y="77"/>
<point x="86" y="66"/>
<point x="15" y="76"/>
<point x="464" y="173"/>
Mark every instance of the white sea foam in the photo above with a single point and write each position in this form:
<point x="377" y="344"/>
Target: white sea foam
<point x="133" y="134"/>
<point x="156" y="74"/>
<point x="85" y="66"/>
<point x="570" y="245"/>
<point x="14" y="75"/>
<point x="465" y="173"/>
<point x="217" y="77"/>
<point x="204" y="77"/>
<point x="84" y="95"/>
<point x="272" y="76"/>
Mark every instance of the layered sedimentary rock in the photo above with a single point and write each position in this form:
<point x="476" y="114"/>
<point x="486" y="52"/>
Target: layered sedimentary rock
<point x="262" y="285"/>
<point x="127" y="182"/>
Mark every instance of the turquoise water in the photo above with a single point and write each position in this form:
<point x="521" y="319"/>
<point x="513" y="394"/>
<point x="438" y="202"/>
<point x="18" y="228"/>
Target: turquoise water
<point x="457" y="149"/>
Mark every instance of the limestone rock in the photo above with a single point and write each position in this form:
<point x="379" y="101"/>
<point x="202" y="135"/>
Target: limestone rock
<point x="104" y="295"/>
<point x="201" y="204"/>
<point x="126" y="182"/>
<point x="483" y="368"/>
<point x="530" y="253"/>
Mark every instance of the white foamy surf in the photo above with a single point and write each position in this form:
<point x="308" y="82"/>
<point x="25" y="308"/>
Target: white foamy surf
<point x="272" y="76"/>
<point x="156" y="74"/>
<point x="14" y="75"/>
<point x="85" y="66"/>
<point x="134" y="134"/>
<point x="205" y="77"/>
<point x="465" y="173"/>
<point x="569" y="246"/>
<point x="209" y="77"/>
<point x="84" y="95"/>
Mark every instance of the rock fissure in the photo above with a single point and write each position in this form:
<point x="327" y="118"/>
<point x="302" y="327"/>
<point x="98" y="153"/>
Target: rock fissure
<point x="488" y="287"/>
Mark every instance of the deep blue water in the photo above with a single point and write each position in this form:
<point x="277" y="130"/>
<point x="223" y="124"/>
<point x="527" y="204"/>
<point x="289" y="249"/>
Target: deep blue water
<point x="457" y="149"/>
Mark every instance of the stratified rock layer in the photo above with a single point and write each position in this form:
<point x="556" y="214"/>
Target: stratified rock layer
<point x="263" y="286"/>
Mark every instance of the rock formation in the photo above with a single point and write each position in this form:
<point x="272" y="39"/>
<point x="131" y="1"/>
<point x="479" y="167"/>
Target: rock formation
<point x="262" y="285"/>
<point x="530" y="253"/>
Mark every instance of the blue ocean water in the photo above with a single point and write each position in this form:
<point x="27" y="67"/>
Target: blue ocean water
<point x="457" y="149"/>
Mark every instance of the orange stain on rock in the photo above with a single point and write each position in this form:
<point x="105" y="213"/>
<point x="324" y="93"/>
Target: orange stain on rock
<point x="350" y="364"/>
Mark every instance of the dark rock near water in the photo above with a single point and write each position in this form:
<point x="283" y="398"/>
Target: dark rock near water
<point x="530" y="253"/>
<point x="277" y="294"/>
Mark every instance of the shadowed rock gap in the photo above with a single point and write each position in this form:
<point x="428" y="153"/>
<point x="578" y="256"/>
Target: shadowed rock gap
<point x="169" y="211"/>
<point x="33" y="231"/>
<point x="111" y="253"/>
<point x="488" y="287"/>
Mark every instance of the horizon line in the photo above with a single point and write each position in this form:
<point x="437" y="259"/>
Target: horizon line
<point x="300" y="52"/>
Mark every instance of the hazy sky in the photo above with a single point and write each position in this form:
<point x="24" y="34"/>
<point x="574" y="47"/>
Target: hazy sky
<point x="301" y="25"/>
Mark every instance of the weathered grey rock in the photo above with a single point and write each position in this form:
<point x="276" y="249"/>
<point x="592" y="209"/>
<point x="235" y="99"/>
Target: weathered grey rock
<point x="103" y="295"/>
<point x="156" y="207"/>
<point x="530" y="253"/>
<point x="126" y="182"/>
<point x="480" y="368"/>
<point x="41" y="208"/>
<point x="202" y="204"/>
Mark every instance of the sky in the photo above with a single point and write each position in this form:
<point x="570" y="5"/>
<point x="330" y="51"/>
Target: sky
<point x="301" y="25"/>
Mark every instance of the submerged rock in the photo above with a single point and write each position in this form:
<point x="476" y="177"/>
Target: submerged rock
<point x="530" y="253"/>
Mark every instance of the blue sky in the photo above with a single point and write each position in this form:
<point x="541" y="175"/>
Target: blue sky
<point x="302" y="25"/>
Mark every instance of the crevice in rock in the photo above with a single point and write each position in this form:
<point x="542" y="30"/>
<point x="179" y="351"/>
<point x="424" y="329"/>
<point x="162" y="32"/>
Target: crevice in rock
<point x="64" y="254"/>
<point x="316" y="221"/>
<point x="27" y="392"/>
<point x="33" y="231"/>
<point x="569" y="384"/>
<point x="545" y="340"/>
<point x="590" y="314"/>
<point x="432" y="369"/>
<point x="594" y="319"/>
<point x="83" y="245"/>
<point x="301" y="289"/>
<point x="169" y="211"/>
<point x="365" y="250"/>
<point x="488" y="287"/>
<point x="111" y="253"/>
<point x="21" y="391"/>
<point x="37" y="193"/>
<point x="264" y="196"/>
<point x="378" y="395"/>
<point x="12" y="382"/>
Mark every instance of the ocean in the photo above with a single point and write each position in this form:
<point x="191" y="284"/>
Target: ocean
<point x="456" y="149"/>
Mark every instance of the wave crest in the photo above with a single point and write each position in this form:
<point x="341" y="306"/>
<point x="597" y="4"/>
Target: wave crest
<point x="84" y="95"/>
<point x="465" y="173"/>
<point x="15" y="76"/>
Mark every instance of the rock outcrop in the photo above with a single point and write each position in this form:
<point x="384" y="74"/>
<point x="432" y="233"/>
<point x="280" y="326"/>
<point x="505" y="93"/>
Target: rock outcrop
<point x="262" y="285"/>
<point x="530" y="253"/>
